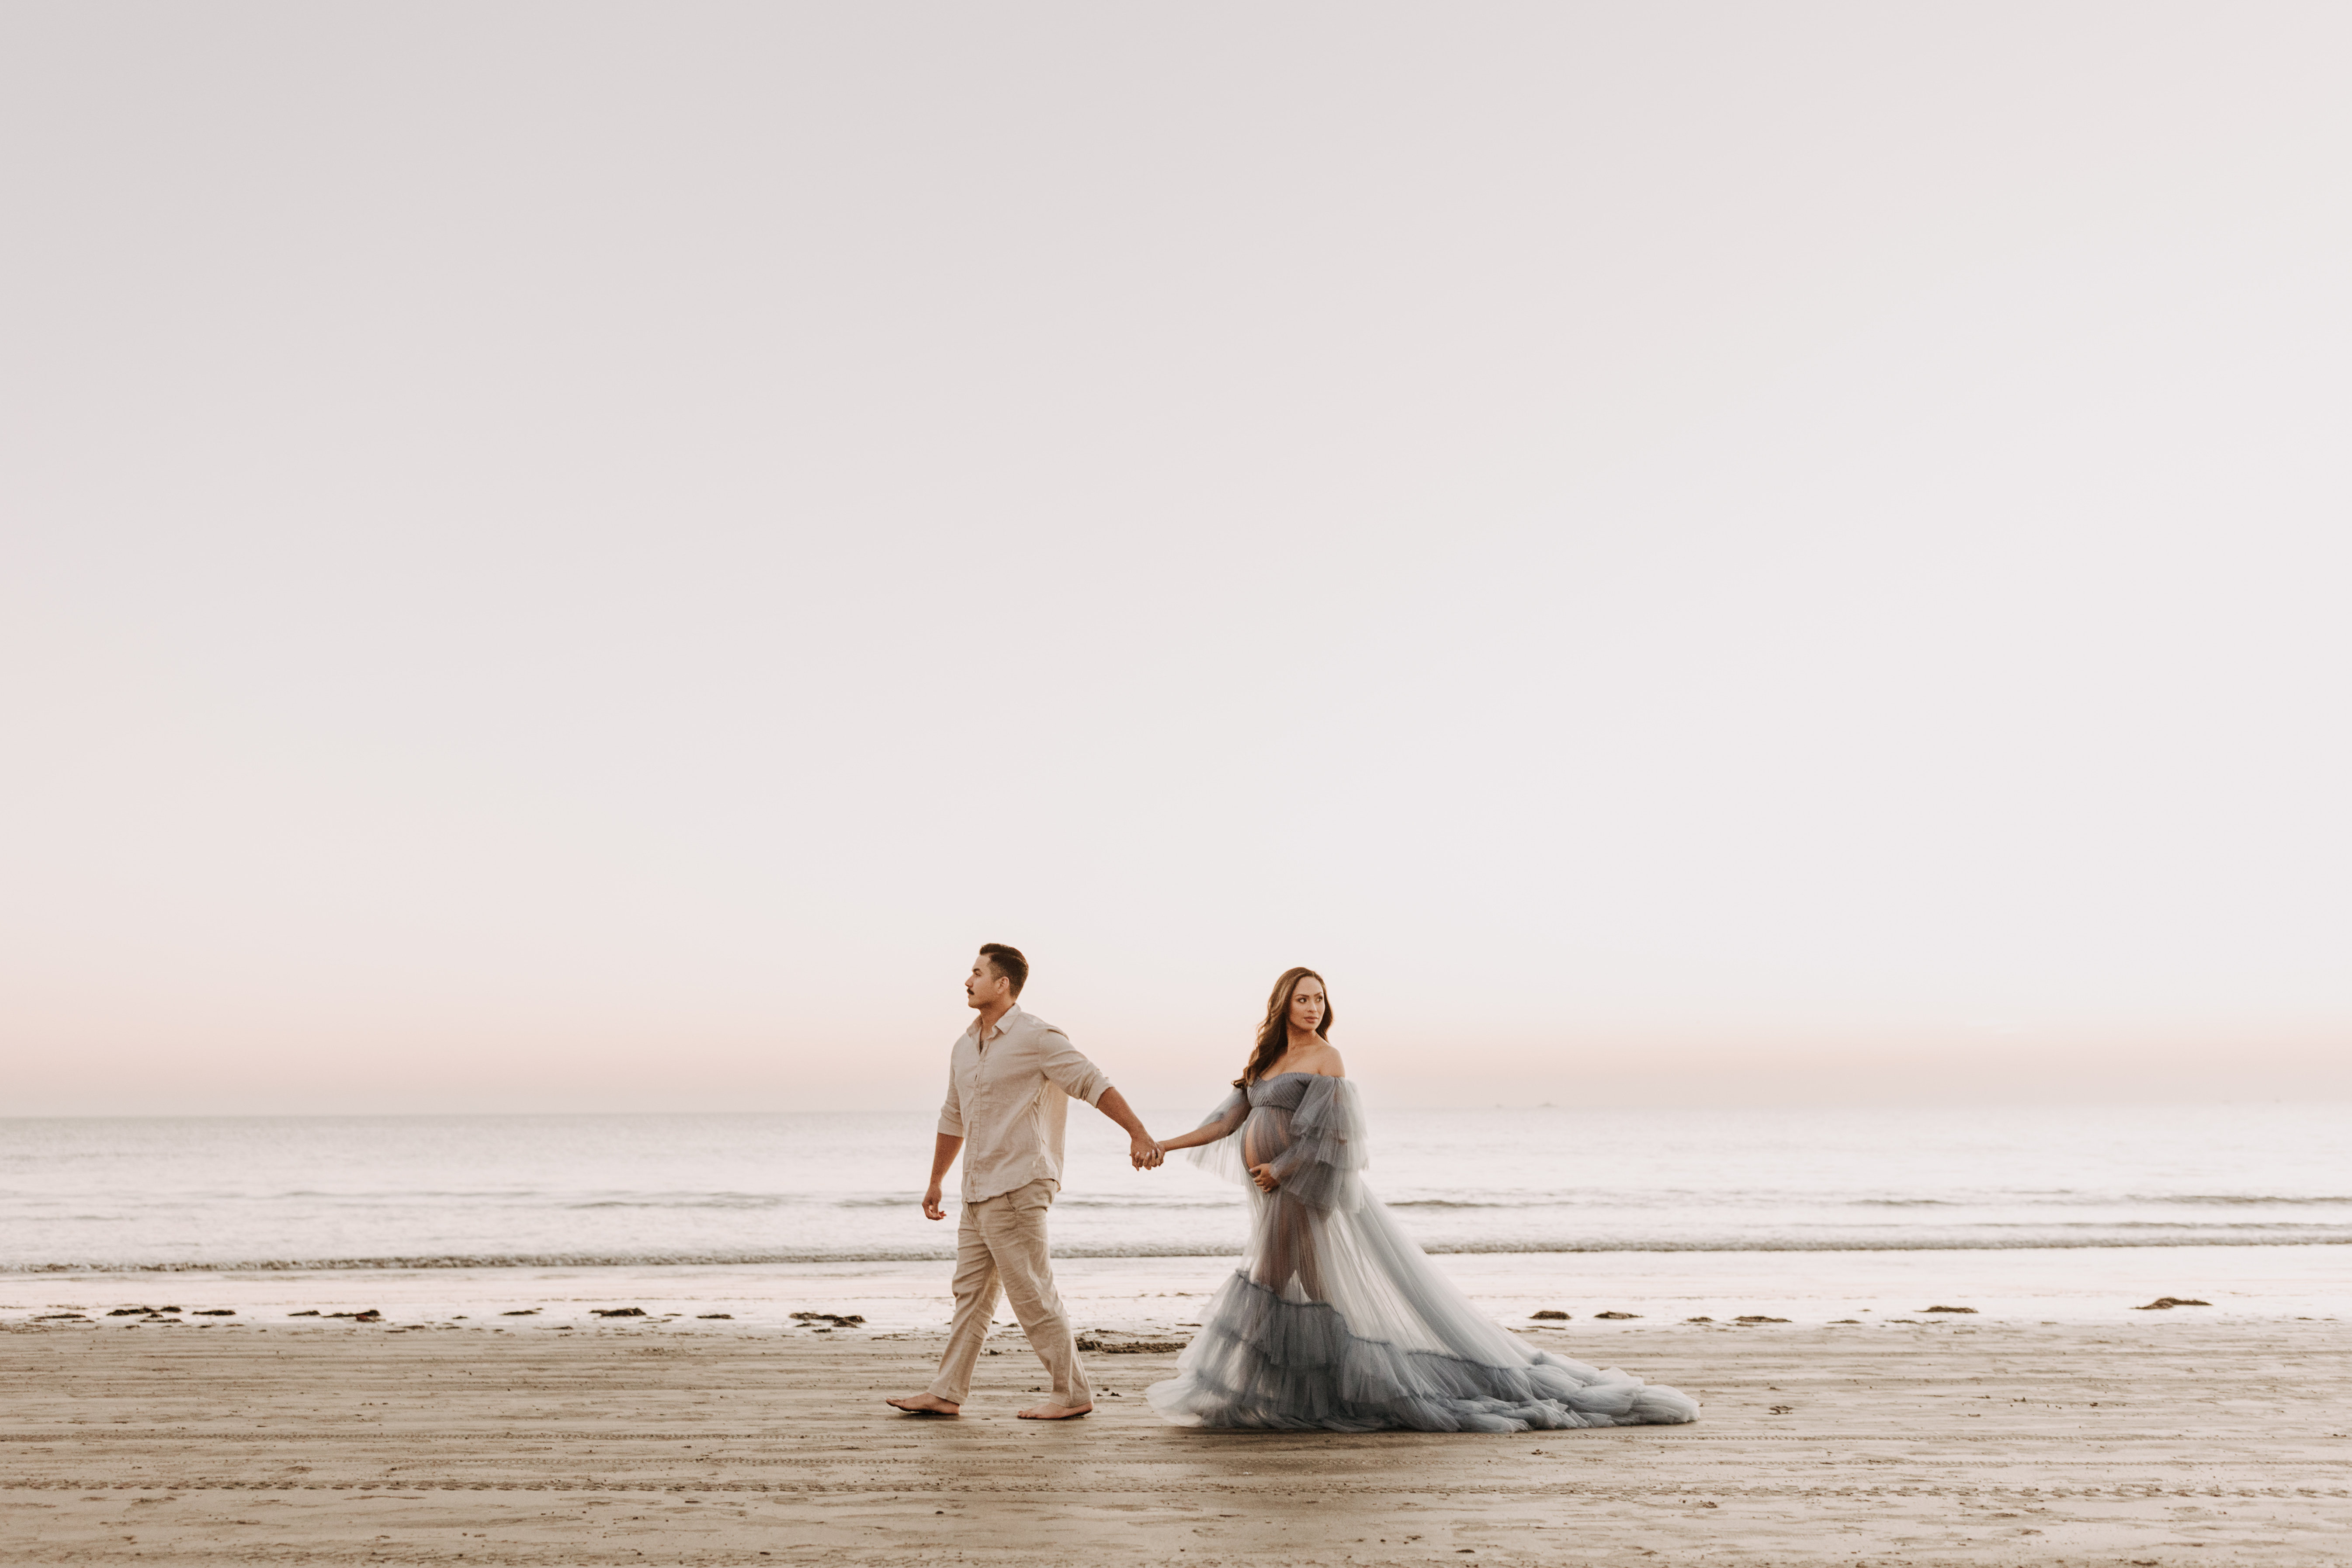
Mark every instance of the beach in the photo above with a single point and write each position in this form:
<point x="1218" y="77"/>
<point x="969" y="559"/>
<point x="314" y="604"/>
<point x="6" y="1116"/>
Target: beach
<point x="558" y="1437"/>
<point x="668" y="1341"/>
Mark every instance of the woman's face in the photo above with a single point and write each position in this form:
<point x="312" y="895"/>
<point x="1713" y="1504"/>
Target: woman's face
<point x="1307" y="1003"/>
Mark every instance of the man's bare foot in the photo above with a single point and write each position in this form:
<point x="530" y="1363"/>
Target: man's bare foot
<point x="926" y="1404"/>
<point x="1055" y="1412"/>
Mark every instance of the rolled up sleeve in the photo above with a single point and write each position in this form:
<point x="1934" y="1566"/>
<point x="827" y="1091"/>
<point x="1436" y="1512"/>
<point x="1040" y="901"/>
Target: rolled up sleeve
<point x="951" y="1111"/>
<point x="1069" y="1071"/>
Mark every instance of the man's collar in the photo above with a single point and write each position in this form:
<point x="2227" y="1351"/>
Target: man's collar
<point x="1010" y="1014"/>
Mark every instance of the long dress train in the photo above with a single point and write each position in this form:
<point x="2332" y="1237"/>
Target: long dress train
<point x="1335" y="1321"/>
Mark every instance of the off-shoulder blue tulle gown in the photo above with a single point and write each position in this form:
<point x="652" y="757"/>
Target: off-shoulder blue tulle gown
<point x="1336" y="1322"/>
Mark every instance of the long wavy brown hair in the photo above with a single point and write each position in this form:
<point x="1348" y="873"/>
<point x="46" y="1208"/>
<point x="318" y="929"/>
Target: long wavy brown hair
<point x="1273" y="1034"/>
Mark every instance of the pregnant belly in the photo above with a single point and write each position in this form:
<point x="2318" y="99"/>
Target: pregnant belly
<point x="1264" y="1136"/>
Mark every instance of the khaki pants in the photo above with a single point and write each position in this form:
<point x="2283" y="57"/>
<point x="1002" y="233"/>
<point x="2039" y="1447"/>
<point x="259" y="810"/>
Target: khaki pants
<point x="1000" y="1245"/>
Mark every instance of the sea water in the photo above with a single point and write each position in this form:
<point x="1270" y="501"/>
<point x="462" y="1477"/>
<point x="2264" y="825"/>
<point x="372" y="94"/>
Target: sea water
<point x="819" y="1189"/>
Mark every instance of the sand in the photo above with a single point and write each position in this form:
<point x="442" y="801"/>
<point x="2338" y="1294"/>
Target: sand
<point x="2175" y="1439"/>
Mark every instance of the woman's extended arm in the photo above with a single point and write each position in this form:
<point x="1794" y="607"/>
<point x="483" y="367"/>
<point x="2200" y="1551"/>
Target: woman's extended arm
<point x="1236" y="1111"/>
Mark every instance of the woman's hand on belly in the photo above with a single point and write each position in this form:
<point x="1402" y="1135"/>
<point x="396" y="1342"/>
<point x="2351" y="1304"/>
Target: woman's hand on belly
<point x="1265" y="1178"/>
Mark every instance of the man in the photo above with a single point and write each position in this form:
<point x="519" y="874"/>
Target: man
<point x="1010" y="1079"/>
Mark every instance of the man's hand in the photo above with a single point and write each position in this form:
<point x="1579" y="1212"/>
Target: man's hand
<point x="1141" y="1147"/>
<point x="943" y="1154"/>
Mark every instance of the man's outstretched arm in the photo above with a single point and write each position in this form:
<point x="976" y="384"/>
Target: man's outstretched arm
<point x="941" y="1158"/>
<point x="1081" y="1079"/>
<point x="1140" y="1147"/>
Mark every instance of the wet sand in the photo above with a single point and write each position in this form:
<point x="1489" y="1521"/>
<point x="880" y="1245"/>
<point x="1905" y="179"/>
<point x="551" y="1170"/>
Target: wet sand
<point x="2171" y="1439"/>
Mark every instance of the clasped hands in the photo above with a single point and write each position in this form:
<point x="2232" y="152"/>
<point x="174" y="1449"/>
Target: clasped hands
<point x="1146" y="1155"/>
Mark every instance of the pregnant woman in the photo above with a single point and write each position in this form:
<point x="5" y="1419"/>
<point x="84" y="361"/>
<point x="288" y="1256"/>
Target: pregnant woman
<point x="1334" y="1320"/>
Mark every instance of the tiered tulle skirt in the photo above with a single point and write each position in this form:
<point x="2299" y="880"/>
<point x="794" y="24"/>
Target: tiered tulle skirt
<point x="1264" y="1362"/>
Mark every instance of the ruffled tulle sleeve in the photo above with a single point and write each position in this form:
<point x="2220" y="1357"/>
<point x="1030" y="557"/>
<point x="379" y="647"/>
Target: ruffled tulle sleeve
<point x="1327" y="1147"/>
<point x="1223" y="1157"/>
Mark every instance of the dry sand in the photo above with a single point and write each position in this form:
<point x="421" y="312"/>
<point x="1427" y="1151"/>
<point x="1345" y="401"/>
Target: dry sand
<point x="2174" y="1439"/>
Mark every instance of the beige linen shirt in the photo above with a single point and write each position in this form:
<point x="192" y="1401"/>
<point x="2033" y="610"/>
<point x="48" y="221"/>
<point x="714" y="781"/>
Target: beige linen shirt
<point x="1009" y="1098"/>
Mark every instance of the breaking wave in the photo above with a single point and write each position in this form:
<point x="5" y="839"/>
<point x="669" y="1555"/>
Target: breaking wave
<point x="588" y="1259"/>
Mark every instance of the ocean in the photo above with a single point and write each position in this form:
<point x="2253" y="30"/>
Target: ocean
<point x="489" y="1192"/>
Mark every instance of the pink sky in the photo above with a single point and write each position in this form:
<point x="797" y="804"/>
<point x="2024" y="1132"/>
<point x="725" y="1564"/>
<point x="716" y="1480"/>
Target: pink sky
<point x="582" y="557"/>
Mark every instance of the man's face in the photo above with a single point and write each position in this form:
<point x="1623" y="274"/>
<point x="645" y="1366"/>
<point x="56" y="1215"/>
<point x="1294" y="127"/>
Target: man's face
<point x="983" y="986"/>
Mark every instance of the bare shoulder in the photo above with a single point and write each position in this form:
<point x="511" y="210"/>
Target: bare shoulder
<point x="1324" y="1060"/>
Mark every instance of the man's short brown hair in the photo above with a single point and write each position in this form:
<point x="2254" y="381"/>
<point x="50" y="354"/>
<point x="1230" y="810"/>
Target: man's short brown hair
<point x="1007" y="962"/>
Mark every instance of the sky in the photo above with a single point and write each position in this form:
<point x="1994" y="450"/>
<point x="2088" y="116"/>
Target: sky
<point x="582" y="557"/>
